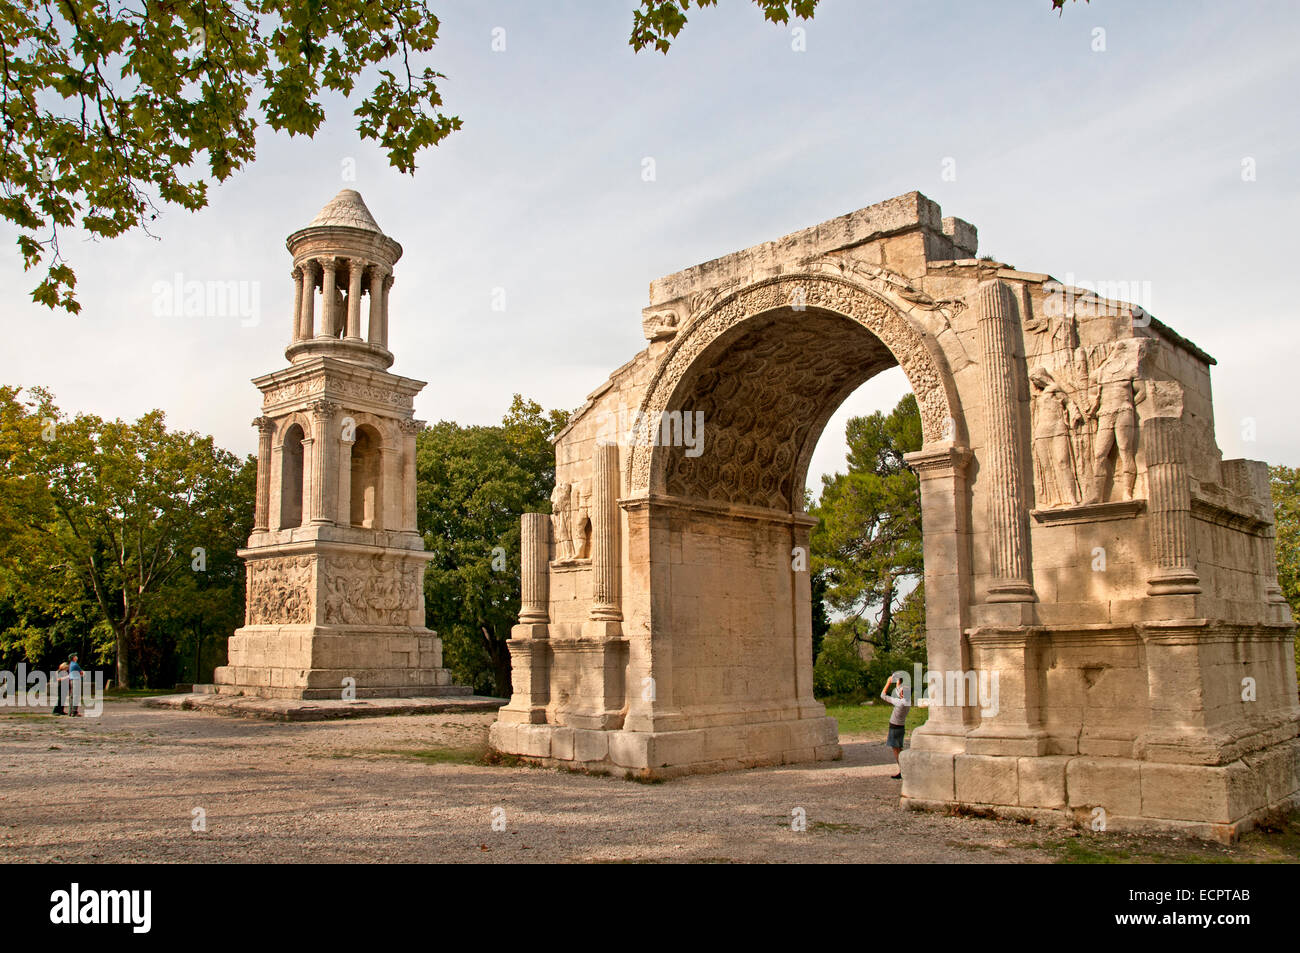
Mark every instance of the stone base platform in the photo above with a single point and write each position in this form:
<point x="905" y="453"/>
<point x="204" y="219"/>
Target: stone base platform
<point x="298" y="709"/>
<point x="670" y="754"/>
<point x="1214" y="802"/>
<point x="318" y="662"/>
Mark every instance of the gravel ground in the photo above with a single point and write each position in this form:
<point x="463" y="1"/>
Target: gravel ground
<point x="123" y="788"/>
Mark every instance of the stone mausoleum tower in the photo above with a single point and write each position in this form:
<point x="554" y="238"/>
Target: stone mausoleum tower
<point x="335" y="566"/>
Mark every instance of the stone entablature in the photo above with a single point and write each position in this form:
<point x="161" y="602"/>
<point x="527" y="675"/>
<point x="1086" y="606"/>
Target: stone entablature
<point x="1083" y="538"/>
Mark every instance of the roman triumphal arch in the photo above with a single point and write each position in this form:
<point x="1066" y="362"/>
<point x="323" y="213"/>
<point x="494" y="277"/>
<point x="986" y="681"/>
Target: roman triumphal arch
<point x="1088" y="552"/>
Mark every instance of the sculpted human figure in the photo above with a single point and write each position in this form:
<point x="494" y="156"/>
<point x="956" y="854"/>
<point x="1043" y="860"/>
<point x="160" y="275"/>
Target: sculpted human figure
<point x="1119" y="392"/>
<point x="561" y="507"/>
<point x="580" y="530"/>
<point x="1055" y="416"/>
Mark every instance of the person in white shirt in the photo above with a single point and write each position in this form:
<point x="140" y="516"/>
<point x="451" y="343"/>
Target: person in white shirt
<point x="898" y="718"/>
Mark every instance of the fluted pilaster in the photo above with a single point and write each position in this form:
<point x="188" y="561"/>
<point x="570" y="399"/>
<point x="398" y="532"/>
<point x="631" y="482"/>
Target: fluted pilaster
<point x="410" y="430"/>
<point x="604" y="535"/>
<point x="1169" y="505"/>
<point x="534" y="579"/>
<point x="999" y="328"/>
<point x="261" y="513"/>
<point x="324" y="452"/>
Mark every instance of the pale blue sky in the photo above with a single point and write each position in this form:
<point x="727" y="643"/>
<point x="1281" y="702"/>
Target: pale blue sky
<point x="1120" y="165"/>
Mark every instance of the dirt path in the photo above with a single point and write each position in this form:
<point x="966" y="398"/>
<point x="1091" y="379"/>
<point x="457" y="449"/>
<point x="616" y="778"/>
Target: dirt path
<point x="124" y="788"/>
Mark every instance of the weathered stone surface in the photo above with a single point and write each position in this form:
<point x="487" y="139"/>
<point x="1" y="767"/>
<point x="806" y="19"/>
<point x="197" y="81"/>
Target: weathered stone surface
<point x="985" y="779"/>
<point x="1084" y="540"/>
<point x="335" y="565"/>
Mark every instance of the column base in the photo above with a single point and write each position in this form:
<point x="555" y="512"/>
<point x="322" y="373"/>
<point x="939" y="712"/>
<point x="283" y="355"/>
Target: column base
<point x="669" y="754"/>
<point x="1174" y="582"/>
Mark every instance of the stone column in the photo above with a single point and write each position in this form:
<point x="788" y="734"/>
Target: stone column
<point x="307" y="300"/>
<point x="375" y="329"/>
<point x="296" y="332"/>
<point x="383" y="321"/>
<point x="328" y="319"/>
<point x="323" y="461"/>
<point x="389" y="509"/>
<point x="604" y="535"/>
<point x="276" y="501"/>
<point x="945" y="543"/>
<point x="1169" y="508"/>
<point x="354" y="300"/>
<point x="261" y="514"/>
<point x="534" y="578"/>
<point x="347" y="438"/>
<point x="999" y="327"/>
<point x="410" y="429"/>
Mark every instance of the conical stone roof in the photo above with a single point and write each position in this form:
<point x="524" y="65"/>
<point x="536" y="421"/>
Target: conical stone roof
<point x="347" y="209"/>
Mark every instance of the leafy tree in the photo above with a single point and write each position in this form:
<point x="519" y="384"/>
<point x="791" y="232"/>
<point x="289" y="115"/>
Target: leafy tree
<point x="109" y="107"/>
<point x="657" y="22"/>
<point x="821" y="620"/>
<point x="1286" y="513"/>
<point x="474" y="483"/>
<point x="868" y="541"/>
<point x="839" y="671"/>
<point x="120" y="511"/>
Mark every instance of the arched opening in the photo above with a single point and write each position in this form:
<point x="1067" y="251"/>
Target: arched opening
<point x="367" y="479"/>
<point x="291" y="478"/>
<point x="761" y="394"/>
<point x="724" y="529"/>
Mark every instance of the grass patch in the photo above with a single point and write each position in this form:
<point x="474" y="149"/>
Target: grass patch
<point x="1104" y="850"/>
<point x="840" y="828"/>
<point x="871" y="719"/>
<point x="425" y="755"/>
<point x="1275" y="843"/>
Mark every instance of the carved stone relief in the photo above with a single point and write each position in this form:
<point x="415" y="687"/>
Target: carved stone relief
<point x="370" y="590"/>
<point x="342" y="387"/>
<point x="929" y="381"/>
<point x="1084" y="404"/>
<point x="570" y="521"/>
<point x="279" y="591"/>
<point x="761" y="402"/>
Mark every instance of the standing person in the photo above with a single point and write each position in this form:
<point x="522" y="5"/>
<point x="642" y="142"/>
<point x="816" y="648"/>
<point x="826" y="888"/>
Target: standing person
<point x="897" y="719"/>
<point x="60" y="688"/>
<point x="74" y="683"/>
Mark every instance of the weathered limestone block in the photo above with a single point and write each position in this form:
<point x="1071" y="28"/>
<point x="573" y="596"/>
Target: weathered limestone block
<point x="1041" y="782"/>
<point x="1112" y="784"/>
<point x="985" y="779"/>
